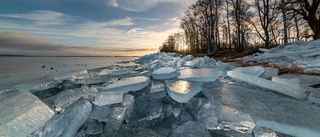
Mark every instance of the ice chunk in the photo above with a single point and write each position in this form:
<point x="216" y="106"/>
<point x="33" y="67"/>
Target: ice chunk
<point x="200" y="75"/>
<point x="284" y="89"/>
<point x="67" y="97"/>
<point x="100" y="113"/>
<point x="263" y="132"/>
<point x="128" y="84"/>
<point x="157" y="90"/>
<point x="236" y="120"/>
<point x="66" y="123"/>
<point x="117" y="117"/>
<point x="80" y="75"/>
<point x="68" y="75"/>
<point x="96" y="79"/>
<point x="195" y="63"/>
<point x="34" y="87"/>
<point x="93" y="128"/>
<point x="267" y="106"/>
<point x="209" y="115"/>
<point x="315" y="96"/>
<point x="269" y="72"/>
<point x="77" y="119"/>
<point x="117" y="71"/>
<point x="293" y="84"/>
<point x="182" y="91"/>
<point x="190" y="129"/>
<point x="145" y="110"/>
<point x="253" y="71"/>
<point x="303" y="78"/>
<point x="157" y="86"/>
<point x="107" y="98"/>
<point x="21" y="113"/>
<point x="176" y="112"/>
<point x="164" y="73"/>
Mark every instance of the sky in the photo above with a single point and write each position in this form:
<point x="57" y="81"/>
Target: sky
<point x="88" y="27"/>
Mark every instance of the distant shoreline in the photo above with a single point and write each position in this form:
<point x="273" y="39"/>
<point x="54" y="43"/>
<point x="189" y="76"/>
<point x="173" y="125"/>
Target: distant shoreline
<point x="60" y="56"/>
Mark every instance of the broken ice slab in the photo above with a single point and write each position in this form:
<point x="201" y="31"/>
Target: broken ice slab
<point x="80" y="75"/>
<point x="200" y="75"/>
<point x="128" y="84"/>
<point x="116" y="71"/>
<point x="194" y="63"/>
<point x="190" y="129"/>
<point x="164" y="73"/>
<point x="263" y="132"/>
<point x="274" y="86"/>
<point x="21" y="113"/>
<point x="315" y="53"/>
<point x="269" y="72"/>
<point x="209" y="114"/>
<point x="96" y="79"/>
<point x="293" y="84"/>
<point x="314" y="96"/>
<point x="303" y="78"/>
<point x="253" y="70"/>
<point x="145" y="110"/>
<point x="117" y="117"/>
<point x="157" y="90"/>
<point x="182" y="91"/>
<point x="67" y="97"/>
<point x="236" y="120"/>
<point x="100" y="113"/>
<point x="107" y="98"/>
<point x="67" y="122"/>
<point x="93" y="128"/>
<point x="68" y="75"/>
<point x="34" y="87"/>
<point x="261" y="104"/>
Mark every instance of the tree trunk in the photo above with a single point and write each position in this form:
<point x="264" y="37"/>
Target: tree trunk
<point x="285" y="26"/>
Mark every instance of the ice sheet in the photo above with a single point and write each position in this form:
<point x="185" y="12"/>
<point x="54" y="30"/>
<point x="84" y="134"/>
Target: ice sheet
<point x="164" y="73"/>
<point x="260" y="104"/>
<point x="253" y="70"/>
<point x="281" y="88"/>
<point x="107" y="98"/>
<point x="182" y="91"/>
<point x="128" y="84"/>
<point x="200" y="75"/>
<point x="21" y="113"/>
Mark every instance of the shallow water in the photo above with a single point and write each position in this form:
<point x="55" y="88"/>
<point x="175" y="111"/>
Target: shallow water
<point x="22" y="70"/>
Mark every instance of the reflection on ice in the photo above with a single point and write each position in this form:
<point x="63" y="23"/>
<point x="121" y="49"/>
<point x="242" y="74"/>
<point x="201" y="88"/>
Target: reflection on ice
<point x="182" y="91"/>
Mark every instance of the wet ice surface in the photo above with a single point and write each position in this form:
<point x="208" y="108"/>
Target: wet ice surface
<point x="143" y="98"/>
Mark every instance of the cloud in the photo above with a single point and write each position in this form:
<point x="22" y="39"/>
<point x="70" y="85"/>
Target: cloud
<point x="43" y="17"/>
<point x="144" y="5"/>
<point x="22" y="43"/>
<point x="150" y="19"/>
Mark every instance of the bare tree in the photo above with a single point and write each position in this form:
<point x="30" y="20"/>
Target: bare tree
<point x="309" y="10"/>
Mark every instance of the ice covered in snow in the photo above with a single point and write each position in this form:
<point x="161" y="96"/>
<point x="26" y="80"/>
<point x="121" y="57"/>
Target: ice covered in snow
<point x="107" y="98"/>
<point x="21" y="113"/>
<point x="281" y="114"/>
<point x="164" y="73"/>
<point x="264" y="83"/>
<point x="200" y="75"/>
<point x="128" y="84"/>
<point x="303" y="55"/>
<point x="253" y="70"/>
<point x="66" y="123"/>
<point x="182" y="91"/>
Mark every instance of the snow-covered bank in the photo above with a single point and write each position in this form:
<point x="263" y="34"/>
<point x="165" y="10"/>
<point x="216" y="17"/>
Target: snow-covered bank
<point x="165" y="94"/>
<point x="303" y="56"/>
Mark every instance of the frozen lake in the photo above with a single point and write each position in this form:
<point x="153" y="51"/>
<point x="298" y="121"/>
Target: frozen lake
<point x="22" y="70"/>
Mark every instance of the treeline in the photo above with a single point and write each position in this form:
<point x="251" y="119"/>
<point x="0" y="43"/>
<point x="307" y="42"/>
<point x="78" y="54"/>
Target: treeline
<point x="210" y="26"/>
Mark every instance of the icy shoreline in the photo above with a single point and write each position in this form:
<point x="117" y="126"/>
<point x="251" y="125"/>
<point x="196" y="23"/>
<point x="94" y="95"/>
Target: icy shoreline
<point x="164" y="94"/>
